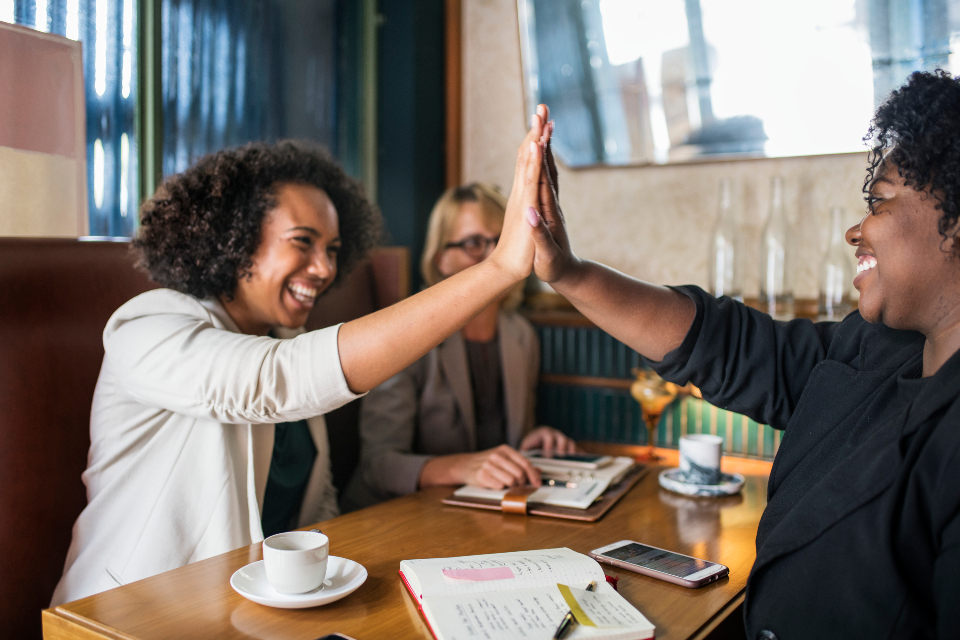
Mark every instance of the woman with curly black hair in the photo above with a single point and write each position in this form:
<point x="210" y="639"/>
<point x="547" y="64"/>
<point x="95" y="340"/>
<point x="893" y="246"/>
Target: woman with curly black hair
<point x="861" y="534"/>
<point x="185" y="461"/>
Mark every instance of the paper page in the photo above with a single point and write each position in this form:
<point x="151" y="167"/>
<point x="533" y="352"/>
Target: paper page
<point x="544" y="567"/>
<point x="579" y="497"/>
<point x="613" y="471"/>
<point x="467" y="491"/>
<point x="604" y="609"/>
<point x="591" y="483"/>
<point x="530" y="614"/>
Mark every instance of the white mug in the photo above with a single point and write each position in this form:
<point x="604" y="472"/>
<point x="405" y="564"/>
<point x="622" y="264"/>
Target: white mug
<point x="700" y="458"/>
<point x="296" y="561"/>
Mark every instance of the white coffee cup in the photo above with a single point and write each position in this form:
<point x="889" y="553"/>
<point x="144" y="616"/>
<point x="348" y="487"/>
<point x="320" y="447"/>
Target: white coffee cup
<point x="700" y="458"/>
<point x="296" y="561"/>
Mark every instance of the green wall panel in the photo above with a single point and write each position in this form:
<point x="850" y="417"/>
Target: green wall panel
<point x="612" y="415"/>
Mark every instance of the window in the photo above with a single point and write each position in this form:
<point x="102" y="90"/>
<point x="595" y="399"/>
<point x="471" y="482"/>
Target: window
<point x="107" y="29"/>
<point x="231" y="71"/>
<point x="641" y="81"/>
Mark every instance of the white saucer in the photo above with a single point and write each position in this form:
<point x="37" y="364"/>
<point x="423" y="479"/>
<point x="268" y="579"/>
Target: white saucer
<point x="730" y="484"/>
<point x="343" y="578"/>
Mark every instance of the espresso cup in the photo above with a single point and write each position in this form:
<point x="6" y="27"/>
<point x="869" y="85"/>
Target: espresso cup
<point x="296" y="561"/>
<point x="700" y="458"/>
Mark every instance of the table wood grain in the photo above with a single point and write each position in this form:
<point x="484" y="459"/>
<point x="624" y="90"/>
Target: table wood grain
<point x="196" y="601"/>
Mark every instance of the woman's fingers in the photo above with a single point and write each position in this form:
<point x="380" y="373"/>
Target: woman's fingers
<point x="558" y="443"/>
<point x="564" y="444"/>
<point x="523" y="153"/>
<point x="549" y="255"/>
<point x="548" y="197"/>
<point x="494" y="477"/>
<point x="549" y="160"/>
<point x="514" y="463"/>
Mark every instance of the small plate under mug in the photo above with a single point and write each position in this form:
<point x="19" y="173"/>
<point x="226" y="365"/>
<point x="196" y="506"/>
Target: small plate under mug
<point x="673" y="480"/>
<point x="343" y="578"/>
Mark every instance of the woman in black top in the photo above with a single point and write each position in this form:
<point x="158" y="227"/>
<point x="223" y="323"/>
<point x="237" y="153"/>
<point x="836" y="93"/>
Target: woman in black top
<point x="861" y="535"/>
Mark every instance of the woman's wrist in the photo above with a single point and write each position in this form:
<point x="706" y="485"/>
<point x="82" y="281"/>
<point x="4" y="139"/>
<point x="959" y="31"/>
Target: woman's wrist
<point x="499" y="271"/>
<point x="571" y="274"/>
<point x="442" y="470"/>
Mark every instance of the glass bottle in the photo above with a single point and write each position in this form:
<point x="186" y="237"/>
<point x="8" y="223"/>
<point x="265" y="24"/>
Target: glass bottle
<point x="726" y="256"/>
<point x="776" y="257"/>
<point x="836" y="272"/>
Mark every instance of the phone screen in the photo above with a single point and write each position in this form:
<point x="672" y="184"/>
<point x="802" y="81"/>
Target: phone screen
<point x="667" y="562"/>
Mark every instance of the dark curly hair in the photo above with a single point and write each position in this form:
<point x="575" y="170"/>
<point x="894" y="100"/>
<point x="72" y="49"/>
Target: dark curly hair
<point x="200" y="230"/>
<point x="918" y="128"/>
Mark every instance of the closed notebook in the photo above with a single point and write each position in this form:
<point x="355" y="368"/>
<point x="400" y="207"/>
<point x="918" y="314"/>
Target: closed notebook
<point x="519" y="595"/>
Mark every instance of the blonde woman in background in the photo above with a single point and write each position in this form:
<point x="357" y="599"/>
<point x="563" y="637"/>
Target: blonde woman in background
<point x="459" y="414"/>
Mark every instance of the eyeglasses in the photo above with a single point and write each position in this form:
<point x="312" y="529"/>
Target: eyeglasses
<point x="474" y="246"/>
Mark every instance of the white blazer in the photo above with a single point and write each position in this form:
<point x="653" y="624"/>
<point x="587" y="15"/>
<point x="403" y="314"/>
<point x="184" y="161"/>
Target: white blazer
<point x="181" y="433"/>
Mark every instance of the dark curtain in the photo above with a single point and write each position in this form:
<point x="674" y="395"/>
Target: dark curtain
<point x="236" y="71"/>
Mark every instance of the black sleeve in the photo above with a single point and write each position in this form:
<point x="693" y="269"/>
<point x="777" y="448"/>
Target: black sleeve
<point x="945" y="575"/>
<point x="743" y="360"/>
<point x="945" y="506"/>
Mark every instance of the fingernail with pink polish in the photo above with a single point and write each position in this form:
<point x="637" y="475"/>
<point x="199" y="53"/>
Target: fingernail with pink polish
<point x="533" y="217"/>
<point x="533" y="147"/>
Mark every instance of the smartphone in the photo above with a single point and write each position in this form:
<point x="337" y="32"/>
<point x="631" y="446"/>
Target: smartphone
<point x="575" y="460"/>
<point x="660" y="563"/>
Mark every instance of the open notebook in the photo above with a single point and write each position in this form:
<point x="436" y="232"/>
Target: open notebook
<point x="589" y="484"/>
<point x="595" y="493"/>
<point x="522" y="594"/>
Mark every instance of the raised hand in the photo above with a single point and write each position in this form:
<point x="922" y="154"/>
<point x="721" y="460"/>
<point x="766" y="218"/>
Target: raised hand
<point x="515" y="250"/>
<point x="554" y="257"/>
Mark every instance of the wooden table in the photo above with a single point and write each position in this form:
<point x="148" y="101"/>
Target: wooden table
<point x="196" y="601"/>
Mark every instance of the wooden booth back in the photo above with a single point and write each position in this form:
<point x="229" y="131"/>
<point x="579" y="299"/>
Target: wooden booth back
<point x="56" y="296"/>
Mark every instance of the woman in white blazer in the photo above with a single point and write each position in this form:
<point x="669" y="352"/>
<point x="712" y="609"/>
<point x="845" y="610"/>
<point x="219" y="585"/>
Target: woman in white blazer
<point x="196" y="375"/>
<point x="459" y="414"/>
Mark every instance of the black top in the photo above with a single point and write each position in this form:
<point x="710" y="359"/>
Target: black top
<point x="486" y="381"/>
<point x="861" y="535"/>
<point x="293" y="455"/>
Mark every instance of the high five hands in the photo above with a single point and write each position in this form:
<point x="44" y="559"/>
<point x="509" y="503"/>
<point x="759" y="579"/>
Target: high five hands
<point x="534" y="202"/>
<point x="553" y="259"/>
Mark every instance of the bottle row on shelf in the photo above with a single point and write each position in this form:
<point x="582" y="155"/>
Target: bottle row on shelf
<point x="777" y="257"/>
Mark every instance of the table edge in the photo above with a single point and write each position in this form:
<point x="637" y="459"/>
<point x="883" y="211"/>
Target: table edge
<point x="58" y="615"/>
<point x="721" y="615"/>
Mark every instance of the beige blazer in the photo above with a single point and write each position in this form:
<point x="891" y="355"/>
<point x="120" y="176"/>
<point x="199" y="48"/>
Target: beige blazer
<point x="181" y="434"/>
<point x="427" y="411"/>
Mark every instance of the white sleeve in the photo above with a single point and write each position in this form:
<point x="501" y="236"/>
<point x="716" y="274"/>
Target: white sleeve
<point x="179" y="361"/>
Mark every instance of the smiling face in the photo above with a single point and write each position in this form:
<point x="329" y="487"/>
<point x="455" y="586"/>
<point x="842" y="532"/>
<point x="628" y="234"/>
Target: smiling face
<point x="295" y="262"/>
<point x="907" y="275"/>
<point x="470" y="223"/>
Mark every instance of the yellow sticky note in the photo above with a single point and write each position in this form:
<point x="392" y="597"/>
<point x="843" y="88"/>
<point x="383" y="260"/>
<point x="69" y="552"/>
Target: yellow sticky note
<point x="575" y="607"/>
